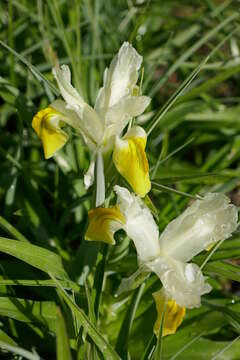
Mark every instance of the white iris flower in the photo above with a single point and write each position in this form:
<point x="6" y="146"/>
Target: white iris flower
<point x="101" y="127"/>
<point x="201" y="225"/>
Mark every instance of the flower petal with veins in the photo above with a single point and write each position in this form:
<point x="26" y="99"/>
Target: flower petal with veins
<point x="103" y="223"/>
<point x="47" y="124"/>
<point x="131" y="161"/>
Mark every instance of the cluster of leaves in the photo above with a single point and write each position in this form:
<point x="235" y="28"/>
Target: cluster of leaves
<point x="58" y="292"/>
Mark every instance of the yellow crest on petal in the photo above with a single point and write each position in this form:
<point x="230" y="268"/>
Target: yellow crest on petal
<point x="103" y="222"/>
<point x="131" y="161"/>
<point x="46" y="125"/>
<point x="173" y="316"/>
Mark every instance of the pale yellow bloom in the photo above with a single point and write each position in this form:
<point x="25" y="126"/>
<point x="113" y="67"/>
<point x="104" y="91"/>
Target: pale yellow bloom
<point x="173" y="314"/>
<point x="101" y="127"/>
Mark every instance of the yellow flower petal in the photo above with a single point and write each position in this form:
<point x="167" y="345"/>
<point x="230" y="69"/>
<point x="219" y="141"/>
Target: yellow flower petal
<point x="103" y="222"/>
<point x="173" y="316"/>
<point x="131" y="161"/>
<point x="46" y="125"/>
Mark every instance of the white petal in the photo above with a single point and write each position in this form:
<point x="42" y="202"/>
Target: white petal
<point x="136" y="131"/>
<point x="118" y="116"/>
<point x="72" y="118"/>
<point x="89" y="176"/>
<point x="85" y="121"/>
<point x="202" y="224"/>
<point x="121" y="76"/>
<point x="69" y="93"/>
<point x="140" y="225"/>
<point x="135" y="105"/>
<point x="182" y="282"/>
<point x="89" y="121"/>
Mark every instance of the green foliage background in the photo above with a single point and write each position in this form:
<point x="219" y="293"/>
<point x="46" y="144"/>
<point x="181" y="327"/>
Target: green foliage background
<point x="57" y="292"/>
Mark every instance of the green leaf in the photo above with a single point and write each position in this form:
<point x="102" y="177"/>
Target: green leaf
<point x="63" y="347"/>
<point x="38" y="283"/>
<point x="41" y="78"/>
<point x="43" y="312"/>
<point x="19" y="351"/>
<point x="4" y="224"/>
<point x="92" y="331"/>
<point x="209" y="84"/>
<point x="36" y="256"/>
<point x="122" y="341"/>
<point x="4" y="337"/>
<point x="224" y="269"/>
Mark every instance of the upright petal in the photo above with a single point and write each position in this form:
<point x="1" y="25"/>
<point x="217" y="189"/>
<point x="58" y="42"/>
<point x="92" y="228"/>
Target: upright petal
<point x="69" y="93"/>
<point x="202" y="224"/>
<point x="120" y="78"/>
<point x="182" y="282"/>
<point x="103" y="223"/>
<point x="131" y="161"/>
<point x="117" y="100"/>
<point x="173" y="315"/>
<point x="46" y="123"/>
<point x="140" y="225"/>
<point x="88" y="120"/>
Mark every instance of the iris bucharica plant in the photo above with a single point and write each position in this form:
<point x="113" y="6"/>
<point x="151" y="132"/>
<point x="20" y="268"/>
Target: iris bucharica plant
<point x="165" y="267"/>
<point x="206" y="222"/>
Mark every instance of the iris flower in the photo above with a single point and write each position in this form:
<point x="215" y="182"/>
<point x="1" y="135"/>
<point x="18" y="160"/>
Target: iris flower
<point x="200" y="226"/>
<point x="101" y="127"/>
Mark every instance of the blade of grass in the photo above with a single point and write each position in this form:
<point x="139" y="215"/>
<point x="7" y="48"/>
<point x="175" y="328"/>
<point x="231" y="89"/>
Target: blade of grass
<point x="219" y="354"/>
<point x="122" y="340"/>
<point x="149" y="349"/>
<point x="159" y="187"/>
<point x="93" y="332"/>
<point x="189" y="79"/>
<point x="189" y="343"/>
<point x="161" y="161"/>
<point x="98" y="281"/>
<point x="191" y="51"/>
<point x="36" y="256"/>
<point x="210" y="84"/>
<point x="159" y="347"/>
<point x="39" y="76"/>
<point x="19" y="351"/>
<point x="63" y="346"/>
<point x="11" y="230"/>
<point x="49" y="283"/>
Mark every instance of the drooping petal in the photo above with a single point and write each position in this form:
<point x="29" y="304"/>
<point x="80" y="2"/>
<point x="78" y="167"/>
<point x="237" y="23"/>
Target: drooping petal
<point x="131" y="161"/>
<point x="202" y="224"/>
<point x="181" y="281"/>
<point x="46" y="123"/>
<point x="173" y="315"/>
<point x="140" y="225"/>
<point x="103" y="223"/>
